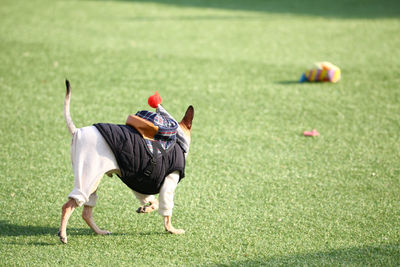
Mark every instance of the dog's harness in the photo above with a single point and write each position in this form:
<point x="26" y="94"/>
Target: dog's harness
<point x="153" y="162"/>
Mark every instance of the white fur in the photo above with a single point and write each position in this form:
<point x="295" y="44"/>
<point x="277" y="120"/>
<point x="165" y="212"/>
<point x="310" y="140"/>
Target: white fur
<point x="91" y="158"/>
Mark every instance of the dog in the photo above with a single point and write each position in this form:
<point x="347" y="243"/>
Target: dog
<point x="92" y="157"/>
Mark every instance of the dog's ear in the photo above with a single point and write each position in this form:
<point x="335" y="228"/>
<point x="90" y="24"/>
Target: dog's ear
<point x="188" y="118"/>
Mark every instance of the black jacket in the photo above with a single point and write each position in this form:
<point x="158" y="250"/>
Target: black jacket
<point x="133" y="158"/>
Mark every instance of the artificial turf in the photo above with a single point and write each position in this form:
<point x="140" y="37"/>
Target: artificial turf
<point x="256" y="192"/>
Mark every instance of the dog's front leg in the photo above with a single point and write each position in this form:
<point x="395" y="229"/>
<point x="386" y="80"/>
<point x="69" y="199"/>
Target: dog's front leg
<point x="166" y="202"/>
<point x="87" y="215"/>
<point x="169" y="228"/>
<point x="148" y="207"/>
<point x="149" y="202"/>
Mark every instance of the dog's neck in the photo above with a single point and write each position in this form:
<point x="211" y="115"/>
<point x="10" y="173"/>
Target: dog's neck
<point x="186" y="132"/>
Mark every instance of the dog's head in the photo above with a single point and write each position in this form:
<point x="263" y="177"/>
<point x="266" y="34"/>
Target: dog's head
<point x="186" y="123"/>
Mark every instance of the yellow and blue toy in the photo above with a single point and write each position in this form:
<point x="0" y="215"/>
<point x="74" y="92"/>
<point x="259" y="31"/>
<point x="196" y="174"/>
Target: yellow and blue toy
<point x="322" y="72"/>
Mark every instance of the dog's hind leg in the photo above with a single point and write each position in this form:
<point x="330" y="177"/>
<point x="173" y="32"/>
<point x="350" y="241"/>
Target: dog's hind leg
<point x="87" y="215"/>
<point x="67" y="210"/>
<point x="91" y="158"/>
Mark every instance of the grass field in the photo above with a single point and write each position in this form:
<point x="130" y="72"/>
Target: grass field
<point x="257" y="192"/>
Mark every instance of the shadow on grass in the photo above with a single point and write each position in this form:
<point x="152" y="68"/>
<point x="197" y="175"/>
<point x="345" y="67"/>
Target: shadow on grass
<point x="24" y="243"/>
<point x="191" y="18"/>
<point x="304" y="83"/>
<point x="152" y="233"/>
<point x="340" y="8"/>
<point x="288" y="82"/>
<point x="9" y="229"/>
<point x="381" y="255"/>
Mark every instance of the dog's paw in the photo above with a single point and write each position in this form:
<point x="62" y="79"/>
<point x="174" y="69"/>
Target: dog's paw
<point x="149" y="207"/>
<point x="141" y="209"/>
<point x="63" y="239"/>
<point x="104" y="232"/>
<point x="175" y="231"/>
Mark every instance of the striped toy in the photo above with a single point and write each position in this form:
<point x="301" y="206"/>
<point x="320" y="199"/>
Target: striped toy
<point x="322" y="72"/>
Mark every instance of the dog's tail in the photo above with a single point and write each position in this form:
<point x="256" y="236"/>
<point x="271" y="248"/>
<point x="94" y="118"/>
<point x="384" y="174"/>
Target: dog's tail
<point x="67" y="115"/>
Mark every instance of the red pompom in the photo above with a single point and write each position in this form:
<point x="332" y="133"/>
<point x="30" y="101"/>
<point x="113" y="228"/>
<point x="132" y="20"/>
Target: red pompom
<point x="154" y="100"/>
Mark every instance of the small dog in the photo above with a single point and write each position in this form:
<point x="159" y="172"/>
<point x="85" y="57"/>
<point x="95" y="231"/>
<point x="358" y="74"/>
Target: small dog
<point x="92" y="157"/>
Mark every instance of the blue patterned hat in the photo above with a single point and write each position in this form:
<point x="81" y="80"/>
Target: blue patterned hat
<point x="167" y="127"/>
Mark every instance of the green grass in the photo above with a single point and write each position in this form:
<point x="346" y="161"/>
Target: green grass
<point x="256" y="191"/>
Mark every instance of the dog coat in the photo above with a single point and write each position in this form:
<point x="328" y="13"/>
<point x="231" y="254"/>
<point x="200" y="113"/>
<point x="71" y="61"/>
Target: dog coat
<point x="141" y="169"/>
